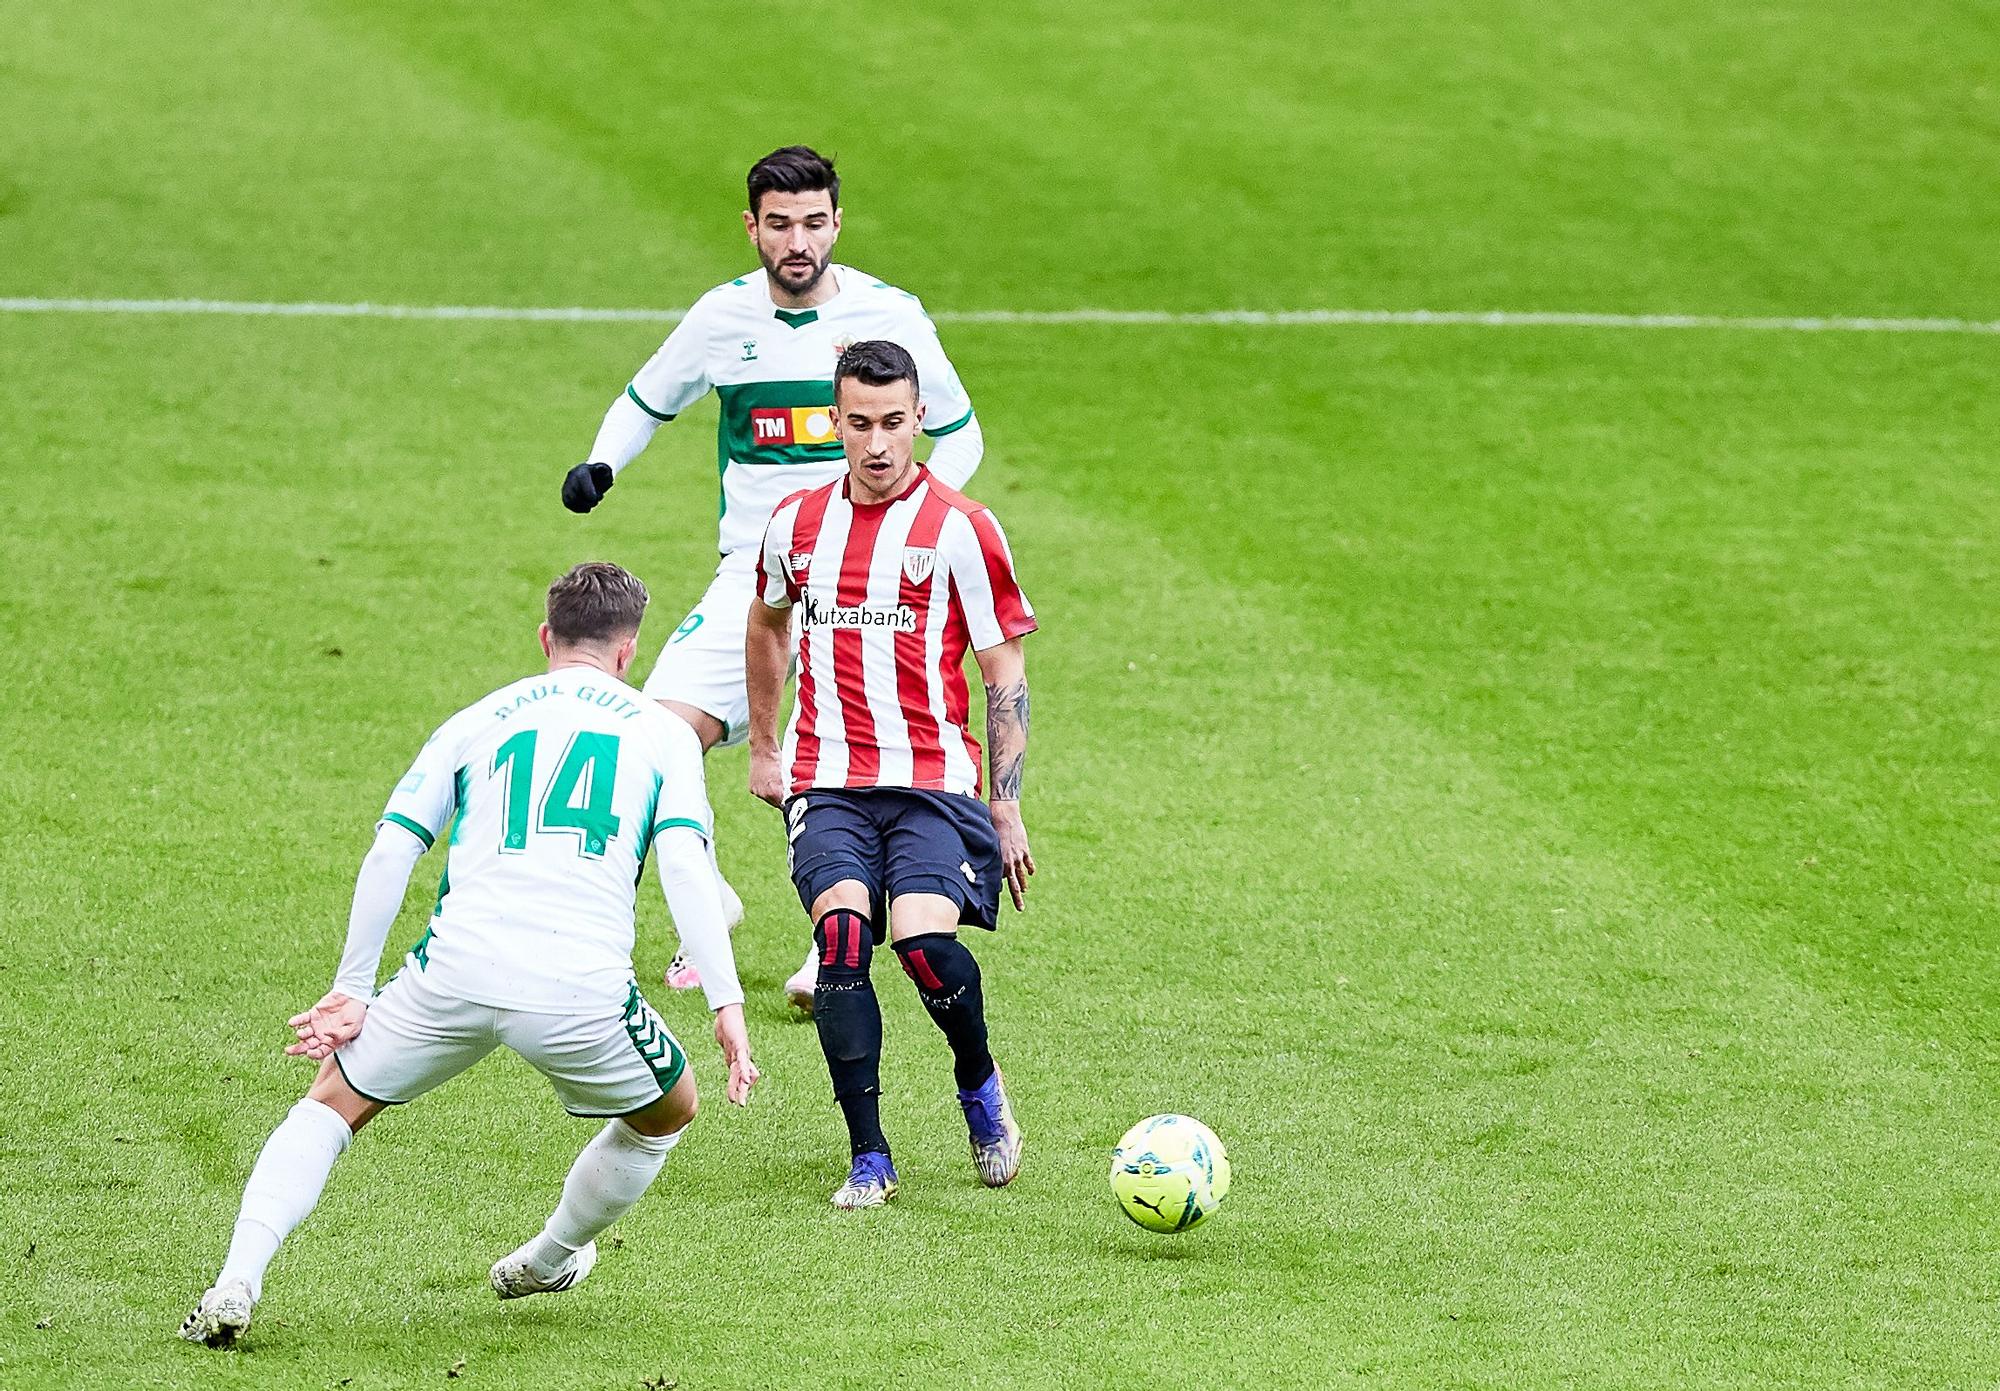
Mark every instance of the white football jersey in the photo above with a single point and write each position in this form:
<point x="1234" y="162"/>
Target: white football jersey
<point x="772" y="371"/>
<point x="553" y="789"/>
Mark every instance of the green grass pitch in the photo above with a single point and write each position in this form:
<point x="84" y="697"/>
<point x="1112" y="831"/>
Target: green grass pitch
<point x="1532" y="791"/>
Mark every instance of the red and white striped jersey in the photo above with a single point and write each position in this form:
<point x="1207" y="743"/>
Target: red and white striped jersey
<point x="891" y="596"/>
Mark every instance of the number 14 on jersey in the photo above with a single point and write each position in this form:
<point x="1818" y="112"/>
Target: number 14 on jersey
<point x="576" y="802"/>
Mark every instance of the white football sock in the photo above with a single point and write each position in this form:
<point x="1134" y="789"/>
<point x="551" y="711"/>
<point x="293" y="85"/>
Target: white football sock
<point x="611" y="1174"/>
<point x="285" y="1184"/>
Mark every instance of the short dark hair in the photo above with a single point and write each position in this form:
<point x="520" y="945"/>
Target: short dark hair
<point x="794" y="169"/>
<point x="596" y="602"/>
<point x="877" y="362"/>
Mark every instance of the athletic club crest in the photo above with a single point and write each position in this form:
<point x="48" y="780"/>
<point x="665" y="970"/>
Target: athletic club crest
<point x="918" y="562"/>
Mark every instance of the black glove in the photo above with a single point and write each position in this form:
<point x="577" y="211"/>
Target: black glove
<point x="586" y="485"/>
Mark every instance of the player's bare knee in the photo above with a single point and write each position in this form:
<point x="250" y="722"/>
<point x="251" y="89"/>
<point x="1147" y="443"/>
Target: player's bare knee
<point x="850" y="895"/>
<point x="672" y="1113"/>
<point x="331" y="1090"/>
<point x="922" y="915"/>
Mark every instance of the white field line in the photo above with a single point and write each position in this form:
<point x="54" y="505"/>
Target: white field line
<point x="1260" y="318"/>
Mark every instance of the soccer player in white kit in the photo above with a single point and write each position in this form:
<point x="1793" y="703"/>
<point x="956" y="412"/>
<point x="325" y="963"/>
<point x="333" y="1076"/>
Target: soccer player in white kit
<point x="766" y="344"/>
<point x="550" y="793"/>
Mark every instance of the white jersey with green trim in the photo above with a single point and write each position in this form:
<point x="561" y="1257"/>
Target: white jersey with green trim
<point x="772" y="371"/>
<point x="553" y="788"/>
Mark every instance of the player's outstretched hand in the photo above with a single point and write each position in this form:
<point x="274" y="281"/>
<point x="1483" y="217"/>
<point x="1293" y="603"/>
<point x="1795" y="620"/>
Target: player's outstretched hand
<point x="734" y="1040"/>
<point x="1017" y="862"/>
<point x="586" y="485"/>
<point x="331" y="1024"/>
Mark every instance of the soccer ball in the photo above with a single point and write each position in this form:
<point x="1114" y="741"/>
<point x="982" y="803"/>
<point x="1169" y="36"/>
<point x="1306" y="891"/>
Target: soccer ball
<point x="1169" y="1172"/>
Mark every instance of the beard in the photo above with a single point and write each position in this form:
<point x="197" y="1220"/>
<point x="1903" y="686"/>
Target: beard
<point x="789" y="276"/>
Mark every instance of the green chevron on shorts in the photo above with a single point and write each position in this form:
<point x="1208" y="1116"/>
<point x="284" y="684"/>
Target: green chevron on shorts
<point x="655" y="1044"/>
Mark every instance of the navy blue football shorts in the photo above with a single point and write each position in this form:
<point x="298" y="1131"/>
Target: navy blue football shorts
<point x="896" y="840"/>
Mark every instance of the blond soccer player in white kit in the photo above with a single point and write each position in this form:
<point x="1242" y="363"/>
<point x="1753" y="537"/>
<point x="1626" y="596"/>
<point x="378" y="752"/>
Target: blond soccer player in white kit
<point x="550" y="793"/>
<point x="766" y="344"/>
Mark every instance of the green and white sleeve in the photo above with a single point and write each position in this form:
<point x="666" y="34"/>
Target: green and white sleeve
<point x="955" y="458"/>
<point x="427" y="798"/>
<point x="948" y="417"/>
<point x="419" y="809"/>
<point x="673" y="379"/>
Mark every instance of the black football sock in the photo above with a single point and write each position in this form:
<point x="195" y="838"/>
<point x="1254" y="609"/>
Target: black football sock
<point x="849" y="1020"/>
<point x="947" y="980"/>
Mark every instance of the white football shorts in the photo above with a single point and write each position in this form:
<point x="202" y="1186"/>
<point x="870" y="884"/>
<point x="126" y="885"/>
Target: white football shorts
<point x="601" y="1064"/>
<point x="702" y="662"/>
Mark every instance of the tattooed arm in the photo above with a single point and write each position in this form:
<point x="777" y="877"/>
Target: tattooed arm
<point x="1004" y="670"/>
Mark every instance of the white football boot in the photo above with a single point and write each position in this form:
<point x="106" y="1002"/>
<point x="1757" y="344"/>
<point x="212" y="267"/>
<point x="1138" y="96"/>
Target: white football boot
<point x="513" y="1275"/>
<point x="222" y="1316"/>
<point x="799" y="988"/>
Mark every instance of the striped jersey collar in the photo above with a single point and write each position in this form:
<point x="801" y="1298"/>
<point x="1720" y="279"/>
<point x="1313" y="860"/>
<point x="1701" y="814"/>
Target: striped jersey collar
<point x="917" y="480"/>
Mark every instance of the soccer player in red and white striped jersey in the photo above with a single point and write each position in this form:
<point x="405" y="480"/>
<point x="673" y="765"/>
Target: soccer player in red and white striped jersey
<point x="894" y="578"/>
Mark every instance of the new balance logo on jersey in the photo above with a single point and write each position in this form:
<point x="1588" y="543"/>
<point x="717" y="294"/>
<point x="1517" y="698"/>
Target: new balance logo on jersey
<point x="900" y="619"/>
<point x="801" y="563"/>
<point x="918" y="562"/>
<point x="792" y="425"/>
